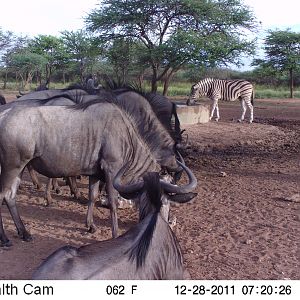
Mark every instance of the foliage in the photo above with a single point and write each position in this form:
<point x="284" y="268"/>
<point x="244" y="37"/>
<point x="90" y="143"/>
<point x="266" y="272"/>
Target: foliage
<point x="282" y="48"/>
<point x="83" y="49"/>
<point x="177" y="32"/>
<point x="25" y="64"/>
<point x="52" y="50"/>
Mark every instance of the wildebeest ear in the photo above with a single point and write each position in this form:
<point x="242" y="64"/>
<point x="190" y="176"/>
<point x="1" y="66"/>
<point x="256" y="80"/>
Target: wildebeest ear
<point x="182" y="198"/>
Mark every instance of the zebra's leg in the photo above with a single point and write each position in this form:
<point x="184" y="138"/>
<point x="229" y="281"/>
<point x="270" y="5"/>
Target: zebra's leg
<point x="217" y="112"/>
<point x="250" y="106"/>
<point x="243" y="108"/>
<point x="213" y="107"/>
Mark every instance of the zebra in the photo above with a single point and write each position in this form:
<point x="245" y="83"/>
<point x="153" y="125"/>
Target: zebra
<point x="219" y="89"/>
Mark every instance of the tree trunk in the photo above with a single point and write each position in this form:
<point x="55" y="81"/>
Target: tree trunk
<point x="154" y="85"/>
<point x="291" y="83"/>
<point x="5" y="80"/>
<point x="167" y="81"/>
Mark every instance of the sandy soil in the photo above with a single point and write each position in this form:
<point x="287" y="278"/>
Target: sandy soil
<point x="244" y="223"/>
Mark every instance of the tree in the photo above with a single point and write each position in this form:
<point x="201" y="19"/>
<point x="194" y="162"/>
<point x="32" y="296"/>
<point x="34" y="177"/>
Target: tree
<point x="25" y="64"/>
<point x="52" y="49"/>
<point x="82" y="49"/>
<point x="177" y="32"/>
<point x="282" y="51"/>
<point x="9" y="44"/>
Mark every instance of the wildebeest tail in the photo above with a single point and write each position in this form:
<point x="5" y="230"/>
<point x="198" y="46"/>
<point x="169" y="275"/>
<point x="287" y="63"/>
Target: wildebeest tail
<point x="177" y="122"/>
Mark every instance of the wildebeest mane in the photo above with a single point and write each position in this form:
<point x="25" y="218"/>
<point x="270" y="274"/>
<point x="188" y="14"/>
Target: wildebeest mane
<point x="159" y="103"/>
<point x="152" y="202"/>
<point x="145" y="120"/>
<point x="104" y="97"/>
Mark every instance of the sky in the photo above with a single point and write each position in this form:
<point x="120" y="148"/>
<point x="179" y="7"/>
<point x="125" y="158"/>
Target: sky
<point x="33" y="17"/>
<point x="47" y="17"/>
<point x="50" y="17"/>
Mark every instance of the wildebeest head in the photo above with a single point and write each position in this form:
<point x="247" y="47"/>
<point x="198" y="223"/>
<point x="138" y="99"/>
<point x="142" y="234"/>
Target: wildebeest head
<point x="175" y="193"/>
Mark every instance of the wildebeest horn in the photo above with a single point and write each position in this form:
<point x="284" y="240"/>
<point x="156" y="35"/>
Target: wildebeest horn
<point x="180" y="157"/>
<point x="22" y="94"/>
<point x="126" y="189"/>
<point x="170" y="188"/>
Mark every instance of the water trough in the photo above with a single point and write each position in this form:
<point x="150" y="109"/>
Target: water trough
<point x="195" y="114"/>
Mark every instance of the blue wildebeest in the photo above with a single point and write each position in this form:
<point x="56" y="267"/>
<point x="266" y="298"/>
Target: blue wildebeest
<point x="134" y="104"/>
<point x="148" y="250"/>
<point x="149" y="124"/>
<point x="152" y="118"/>
<point x="96" y="140"/>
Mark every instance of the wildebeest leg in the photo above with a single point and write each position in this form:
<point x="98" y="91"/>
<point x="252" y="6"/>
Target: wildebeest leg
<point x="4" y="241"/>
<point x="71" y="181"/>
<point x="55" y="185"/>
<point x="93" y="193"/>
<point x="34" y="177"/>
<point x="48" y="197"/>
<point x="9" y="186"/>
<point x="112" y="195"/>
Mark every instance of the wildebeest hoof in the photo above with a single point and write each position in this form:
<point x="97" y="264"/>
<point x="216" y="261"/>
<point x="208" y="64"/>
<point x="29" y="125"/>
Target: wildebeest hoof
<point x="46" y="202"/>
<point x="38" y="187"/>
<point x="25" y="236"/>
<point x="5" y="245"/>
<point x="92" y="229"/>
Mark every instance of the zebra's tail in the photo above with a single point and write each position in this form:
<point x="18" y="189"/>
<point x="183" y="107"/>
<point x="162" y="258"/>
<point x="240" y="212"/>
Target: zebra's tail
<point x="252" y="98"/>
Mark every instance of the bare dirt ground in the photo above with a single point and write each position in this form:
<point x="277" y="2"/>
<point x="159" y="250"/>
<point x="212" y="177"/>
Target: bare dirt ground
<point x="244" y="223"/>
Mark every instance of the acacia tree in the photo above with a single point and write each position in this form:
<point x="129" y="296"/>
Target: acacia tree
<point x="82" y="49"/>
<point x="9" y="44"/>
<point x="25" y="64"/>
<point x="52" y="49"/>
<point x="282" y="51"/>
<point x="177" y="32"/>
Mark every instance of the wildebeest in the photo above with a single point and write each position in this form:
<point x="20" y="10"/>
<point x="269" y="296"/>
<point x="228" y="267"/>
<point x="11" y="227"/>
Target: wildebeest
<point x="149" y="124"/>
<point x="2" y="99"/>
<point x="148" y="250"/>
<point x="96" y="140"/>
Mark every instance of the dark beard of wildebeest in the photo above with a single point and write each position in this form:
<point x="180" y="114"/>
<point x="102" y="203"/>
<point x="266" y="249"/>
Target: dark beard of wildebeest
<point x="139" y="108"/>
<point x="148" y="250"/>
<point x="96" y="140"/>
